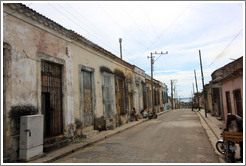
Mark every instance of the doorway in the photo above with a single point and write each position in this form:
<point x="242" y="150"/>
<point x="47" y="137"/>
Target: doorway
<point x="51" y="99"/>
<point x="86" y="93"/>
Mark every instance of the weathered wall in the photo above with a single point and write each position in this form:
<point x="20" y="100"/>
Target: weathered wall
<point x="30" y="42"/>
<point x="230" y="86"/>
<point x="89" y="58"/>
<point x="138" y="88"/>
<point x="128" y="73"/>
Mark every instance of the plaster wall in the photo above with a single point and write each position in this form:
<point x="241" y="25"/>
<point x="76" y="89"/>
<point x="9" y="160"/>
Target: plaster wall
<point x="89" y="58"/>
<point x="230" y="86"/>
<point x="30" y="43"/>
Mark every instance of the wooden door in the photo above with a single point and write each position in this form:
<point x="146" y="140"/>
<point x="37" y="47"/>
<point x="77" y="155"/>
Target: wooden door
<point x="87" y="99"/>
<point x="51" y="78"/>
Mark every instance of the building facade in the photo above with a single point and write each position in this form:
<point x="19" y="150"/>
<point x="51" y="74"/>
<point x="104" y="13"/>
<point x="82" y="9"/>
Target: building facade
<point x="75" y="84"/>
<point x="38" y="75"/>
<point x="225" y="89"/>
<point x="232" y="90"/>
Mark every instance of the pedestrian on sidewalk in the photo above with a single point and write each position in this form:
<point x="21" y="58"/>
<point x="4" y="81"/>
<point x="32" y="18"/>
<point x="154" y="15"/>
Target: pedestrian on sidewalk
<point x="235" y="123"/>
<point x="134" y="114"/>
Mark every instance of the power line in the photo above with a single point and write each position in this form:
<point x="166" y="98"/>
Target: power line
<point x="91" y="25"/>
<point x="118" y="24"/>
<point x="96" y="30"/>
<point x="165" y="31"/>
<point x="148" y="19"/>
<point x="134" y="21"/>
<point x="77" y="23"/>
<point x="170" y="25"/>
<point x="228" y="45"/>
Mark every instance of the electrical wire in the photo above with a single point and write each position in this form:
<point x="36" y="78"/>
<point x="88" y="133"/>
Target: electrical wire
<point x="91" y="26"/>
<point x="164" y="32"/>
<point x="134" y="21"/>
<point x="228" y="45"/>
<point x="118" y="24"/>
<point x="148" y="19"/>
<point x="77" y="23"/>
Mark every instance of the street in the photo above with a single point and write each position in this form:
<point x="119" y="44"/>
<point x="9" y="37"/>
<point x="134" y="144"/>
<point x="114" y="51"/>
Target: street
<point x="175" y="137"/>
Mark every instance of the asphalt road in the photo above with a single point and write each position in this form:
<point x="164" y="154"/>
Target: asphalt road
<point x="175" y="137"/>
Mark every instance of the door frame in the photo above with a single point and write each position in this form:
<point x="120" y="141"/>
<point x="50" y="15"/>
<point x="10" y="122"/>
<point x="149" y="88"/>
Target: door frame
<point x="42" y="56"/>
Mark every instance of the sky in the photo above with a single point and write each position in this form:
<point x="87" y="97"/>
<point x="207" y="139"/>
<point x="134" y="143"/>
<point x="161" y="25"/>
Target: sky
<point x="180" y="28"/>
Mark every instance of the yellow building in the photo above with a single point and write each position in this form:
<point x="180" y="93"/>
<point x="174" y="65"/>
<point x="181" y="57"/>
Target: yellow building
<point x="123" y="89"/>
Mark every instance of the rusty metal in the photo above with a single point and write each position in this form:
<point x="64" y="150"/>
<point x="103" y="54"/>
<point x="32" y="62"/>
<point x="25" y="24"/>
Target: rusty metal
<point x="51" y="78"/>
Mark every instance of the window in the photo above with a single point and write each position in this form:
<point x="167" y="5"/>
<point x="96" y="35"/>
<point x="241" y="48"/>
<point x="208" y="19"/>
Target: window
<point x="238" y="102"/>
<point x="228" y="102"/>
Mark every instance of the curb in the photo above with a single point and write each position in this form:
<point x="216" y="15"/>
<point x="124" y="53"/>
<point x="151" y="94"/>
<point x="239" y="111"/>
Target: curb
<point x="94" y="141"/>
<point x="209" y="125"/>
<point x="220" y="157"/>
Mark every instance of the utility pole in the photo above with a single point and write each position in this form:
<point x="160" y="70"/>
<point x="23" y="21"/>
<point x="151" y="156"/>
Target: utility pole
<point x="120" y="40"/>
<point x="174" y="96"/>
<point x="196" y="81"/>
<point x="172" y="92"/>
<point x="152" y="88"/>
<point x="196" y="87"/>
<point x="203" y="84"/>
<point x="193" y="89"/>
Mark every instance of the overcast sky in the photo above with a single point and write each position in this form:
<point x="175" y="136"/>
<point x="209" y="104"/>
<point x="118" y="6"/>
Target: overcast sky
<point x="181" y="28"/>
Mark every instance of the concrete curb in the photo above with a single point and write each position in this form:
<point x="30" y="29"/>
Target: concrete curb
<point x="213" y="138"/>
<point x="93" y="141"/>
<point x="209" y="125"/>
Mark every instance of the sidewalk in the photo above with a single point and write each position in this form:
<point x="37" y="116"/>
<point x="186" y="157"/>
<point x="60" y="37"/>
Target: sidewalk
<point x="85" y="142"/>
<point x="214" y="127"/>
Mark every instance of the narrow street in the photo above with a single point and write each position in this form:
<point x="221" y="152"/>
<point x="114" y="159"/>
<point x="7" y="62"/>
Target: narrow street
<point x="175" y="137"/>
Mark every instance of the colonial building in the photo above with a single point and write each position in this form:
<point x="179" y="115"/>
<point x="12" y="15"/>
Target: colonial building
<point x="38" y="75"/>
<point x="232" y="90"/>
<point x="123" y="90"/>
<point x="75" y="84"/>
<point x="226" y="89"/>
<point x="140" y="93"/>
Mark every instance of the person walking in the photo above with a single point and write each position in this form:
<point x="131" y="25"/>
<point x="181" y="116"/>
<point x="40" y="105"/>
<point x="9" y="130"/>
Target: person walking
<point x="134" y="114"/>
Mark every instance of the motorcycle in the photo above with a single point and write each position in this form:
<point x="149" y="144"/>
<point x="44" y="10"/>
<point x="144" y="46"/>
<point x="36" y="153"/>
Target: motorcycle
<point x="152" y="116"/>
<point x="148" y="115"/>
<point x="227" y="148"/>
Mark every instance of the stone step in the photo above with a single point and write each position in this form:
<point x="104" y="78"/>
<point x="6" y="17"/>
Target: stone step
<point x="56" y="142"/>
<point x="56" y="145"/>
<point x="89" y="132"/>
